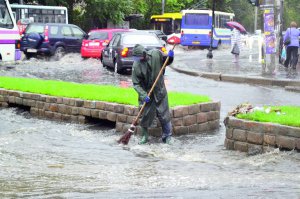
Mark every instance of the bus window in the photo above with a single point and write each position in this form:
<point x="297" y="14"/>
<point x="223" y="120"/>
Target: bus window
<point x="197" y="19"/>
<point x="5" y="19"/>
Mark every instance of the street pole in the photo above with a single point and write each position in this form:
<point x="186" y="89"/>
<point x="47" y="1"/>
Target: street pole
<point x="255" y="19"/>
<point x="162" y="7"/>
<point x="209" y="54"/>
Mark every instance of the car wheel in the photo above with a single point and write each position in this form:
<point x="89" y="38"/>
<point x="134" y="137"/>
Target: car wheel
<point x="59" y="53"/>
<point x="28" y="55"/>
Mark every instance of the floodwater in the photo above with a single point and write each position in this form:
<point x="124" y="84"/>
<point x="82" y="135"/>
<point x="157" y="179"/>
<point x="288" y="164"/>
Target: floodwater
<point x="48" y="159"/>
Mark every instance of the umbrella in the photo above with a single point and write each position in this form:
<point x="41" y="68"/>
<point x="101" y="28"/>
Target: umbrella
<point x="234" y="24"/>
<point x="173" y="40"/>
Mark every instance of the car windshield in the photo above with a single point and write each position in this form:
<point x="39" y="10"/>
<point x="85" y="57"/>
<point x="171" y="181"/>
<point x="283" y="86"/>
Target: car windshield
<point x="98" y="35"/>
<point x="141" y="39"/>
<point x="35" y="28"/>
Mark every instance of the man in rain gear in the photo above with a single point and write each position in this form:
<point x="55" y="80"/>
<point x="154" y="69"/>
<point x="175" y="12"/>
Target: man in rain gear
<point x="145" y="69"/>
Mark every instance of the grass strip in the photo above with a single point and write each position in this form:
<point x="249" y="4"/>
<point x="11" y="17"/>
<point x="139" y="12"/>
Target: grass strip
<point x="285" y="115"/>
<point x="105" y="93"/>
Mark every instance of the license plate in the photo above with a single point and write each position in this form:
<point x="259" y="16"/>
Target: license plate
<point x="94" y="44"/>
<point x="196" y="42"/>
<point x="30" y="50"/>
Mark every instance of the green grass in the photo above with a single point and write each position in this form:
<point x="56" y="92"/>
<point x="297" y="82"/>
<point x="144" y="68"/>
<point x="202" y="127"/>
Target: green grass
<point x="287" y="115"/>
<point x="105" y="93"/>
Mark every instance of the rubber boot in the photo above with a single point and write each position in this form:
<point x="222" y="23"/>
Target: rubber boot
<point x="145" y="136"/>
<point x="167" y="132"/>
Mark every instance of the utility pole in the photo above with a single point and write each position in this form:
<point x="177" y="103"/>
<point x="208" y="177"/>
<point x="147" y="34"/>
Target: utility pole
<point x="255" y="19"/>
<point x="162" y="7"/>
<point x="209" y="54"/>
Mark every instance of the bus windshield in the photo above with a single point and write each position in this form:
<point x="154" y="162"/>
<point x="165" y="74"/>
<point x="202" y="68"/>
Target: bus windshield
<point x="5" y="19"/>
<point x="194" y="19"/>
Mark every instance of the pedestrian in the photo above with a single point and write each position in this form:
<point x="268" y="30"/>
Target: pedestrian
<point x="145" y="69"/>
<point x="235" y="44"/>
<point x="292" y="34"/>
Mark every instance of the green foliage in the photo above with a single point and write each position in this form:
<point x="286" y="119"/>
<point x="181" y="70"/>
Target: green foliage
<point x="285" y="115"/>
<point x="91" y="92"/>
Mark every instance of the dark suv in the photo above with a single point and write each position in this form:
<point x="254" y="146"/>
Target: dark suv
<point x="51" y="39"/>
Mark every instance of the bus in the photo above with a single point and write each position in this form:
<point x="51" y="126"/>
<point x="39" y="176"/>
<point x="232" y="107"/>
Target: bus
<point x="196" y="28"/>
<point x="25" y="14"/>
<point x="9" y="34"/>
<point x="168" y="23"/>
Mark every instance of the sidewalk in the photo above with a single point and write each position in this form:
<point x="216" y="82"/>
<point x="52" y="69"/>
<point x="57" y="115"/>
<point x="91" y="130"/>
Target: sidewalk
<point x="221" y="68"/>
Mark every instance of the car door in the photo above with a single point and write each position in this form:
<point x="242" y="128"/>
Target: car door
<point x="68" y="38"/>
<point x="111" y="49"/>
<point x="78" y="36"/>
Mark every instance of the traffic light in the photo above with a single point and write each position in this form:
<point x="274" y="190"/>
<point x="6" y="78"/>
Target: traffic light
<point x="254" y="2"/>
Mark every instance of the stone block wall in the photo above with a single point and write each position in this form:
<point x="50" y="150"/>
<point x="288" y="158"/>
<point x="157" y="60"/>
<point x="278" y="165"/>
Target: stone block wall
<point x="196" y="118"/>
<point x="257" y="137"/>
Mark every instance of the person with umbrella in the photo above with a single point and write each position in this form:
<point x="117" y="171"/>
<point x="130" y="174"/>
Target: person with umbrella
<point x="236" y="44"/>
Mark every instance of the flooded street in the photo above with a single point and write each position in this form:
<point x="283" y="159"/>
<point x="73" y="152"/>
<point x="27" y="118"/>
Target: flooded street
<point x="48" y="159"/>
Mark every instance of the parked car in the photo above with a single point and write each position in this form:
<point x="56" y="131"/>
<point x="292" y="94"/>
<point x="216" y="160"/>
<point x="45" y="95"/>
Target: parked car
<point x="96" y="40"/>
<point x="51" y="39"/>
<point x="118" y="53"/>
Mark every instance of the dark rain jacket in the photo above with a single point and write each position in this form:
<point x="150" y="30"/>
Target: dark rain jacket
<point x="144" y="74"/>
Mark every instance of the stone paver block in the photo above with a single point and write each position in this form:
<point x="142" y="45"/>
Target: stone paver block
<point x="68" y="110"/>
<point x="40" y="105"/>
<point x="211" y="115"/>
<point x="103" y="115"/>
<point x="119" y="126"/>
<point x="41" y="113"/>
<point x="203" y="127"/>
<point x="74" y="119"/>
<point x="42" y="98"/>
<point x="110" y="107"/>
<point x="100" y="105"/>
<point x="4" y="104"/>
<point x="26" y="95"/>
<point x="189" y="120"/>
<point x="180" y="111"/>
<point x="239" y="135"/>
<point x="241" y="146"/>
<point x="177" y="121"/>
<point x="202" y="118"/>
<point x="129" y="110"/>
<point x="66" y="118"/>
<point x="130" y="119"/>
<point x="75" y="111"/>
<point x="89" y="104"/>
<point x="53" y="107"/>
<point x="51" y="99"/>
<point x="254" y="149"/>
<point x="60" y="100"/>
<point x="269" y="140"/>
<point x="34" y="111"/>
<point x="84" y="111"/>
<point x="122" y="118"/>
<point x="71" y="102"/>
<point x="206" y="107"/>
<point x="235" y="123"/>
<point x="79" y="103"/>
<point x="19" y="100"/>
<point x="181" y="130"/>
<point x="66" y="101"/>
<point x="95" y="113"/>
<point x="255" y="138"/>
<point x="62" y="108"/>
<point x="285" y="142"/>
<point x="212" y="125"/>
<point x="33" y="96"/>
<point x="57" y="116"/>
<point x="12" y="99"/>
<point x="49" y="114"/>
<point x="229" y="144"/>
<point x="229" y="133"/>
<point x="82" y="119"/>
<point x="111" y="116"/>
<point x="297" y="142"/>
<point x="194" y="109"/>
<point x="193" y="128"/>
<point x="119" y="108"/>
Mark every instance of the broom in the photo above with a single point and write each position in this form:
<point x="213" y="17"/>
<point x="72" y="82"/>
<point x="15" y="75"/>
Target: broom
<point x="126" y="137"/>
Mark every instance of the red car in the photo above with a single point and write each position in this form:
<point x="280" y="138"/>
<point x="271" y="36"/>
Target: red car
<point x="96" y="41"/>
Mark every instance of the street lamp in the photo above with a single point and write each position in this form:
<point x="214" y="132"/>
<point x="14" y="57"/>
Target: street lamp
<point x="209" y="54"/>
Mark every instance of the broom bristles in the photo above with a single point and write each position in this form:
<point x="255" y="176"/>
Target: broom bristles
<point x="126" y="137"/>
